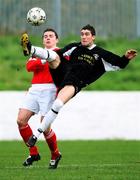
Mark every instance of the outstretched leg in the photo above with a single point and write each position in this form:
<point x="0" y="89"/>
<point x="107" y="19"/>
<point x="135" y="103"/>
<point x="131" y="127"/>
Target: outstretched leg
<point x="64" y="96"/>
<point x="45" y="54"/>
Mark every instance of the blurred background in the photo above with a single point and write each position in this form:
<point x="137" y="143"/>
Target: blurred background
<point x="115" y="18"/>
<point x="117" y="23"/>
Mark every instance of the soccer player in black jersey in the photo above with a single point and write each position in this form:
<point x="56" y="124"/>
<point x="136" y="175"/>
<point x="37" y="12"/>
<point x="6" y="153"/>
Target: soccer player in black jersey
<point x="88" y="62"/>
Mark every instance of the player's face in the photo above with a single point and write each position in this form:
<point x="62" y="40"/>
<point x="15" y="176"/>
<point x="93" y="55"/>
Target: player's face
<point x="86" y="38"/>
<point x="49" y="40"/>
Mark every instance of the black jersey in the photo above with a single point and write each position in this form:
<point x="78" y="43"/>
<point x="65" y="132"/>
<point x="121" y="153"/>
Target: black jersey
<point x="90" y="64"/>
<point x="59" y="73"/>
<point x="87" y="65"/>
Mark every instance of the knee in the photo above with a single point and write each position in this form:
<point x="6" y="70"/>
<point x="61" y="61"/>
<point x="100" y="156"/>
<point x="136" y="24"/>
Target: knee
<point x="21" y="122"/>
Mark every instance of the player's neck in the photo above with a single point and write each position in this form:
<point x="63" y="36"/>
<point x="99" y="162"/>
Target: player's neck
<point x="52" y="48"/>
<point x="91" y="46"/>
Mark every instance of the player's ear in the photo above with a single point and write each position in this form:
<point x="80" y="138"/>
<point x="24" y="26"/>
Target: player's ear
<point x="43" y="43"/>
<point x="57" y="40"/>
<point x="93" y="37"/>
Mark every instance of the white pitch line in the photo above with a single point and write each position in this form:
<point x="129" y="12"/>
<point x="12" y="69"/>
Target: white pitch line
<point x="72" y="165"/>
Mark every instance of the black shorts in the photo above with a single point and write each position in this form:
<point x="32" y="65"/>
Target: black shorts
<point x="66" y="74"/>
<point x="75" y="78"/>
<point x="70" y="79"/>
<point x="59" y="73"/>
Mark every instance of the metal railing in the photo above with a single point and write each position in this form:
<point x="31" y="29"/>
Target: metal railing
<point x="116" y="18"/>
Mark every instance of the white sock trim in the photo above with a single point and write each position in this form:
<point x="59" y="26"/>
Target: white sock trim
<point x="51" y="115"/>
<point x="37" y="133"/>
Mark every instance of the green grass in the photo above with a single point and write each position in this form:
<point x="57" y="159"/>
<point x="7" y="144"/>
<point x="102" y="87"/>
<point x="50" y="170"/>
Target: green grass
<point x="82" y="160"/>
<point x="13" y="75"/>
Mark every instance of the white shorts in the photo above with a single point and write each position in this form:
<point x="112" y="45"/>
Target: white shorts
<point x="39" y="98"/>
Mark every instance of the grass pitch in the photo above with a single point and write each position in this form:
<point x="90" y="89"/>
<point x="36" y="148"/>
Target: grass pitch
<point x="81" y="160"/>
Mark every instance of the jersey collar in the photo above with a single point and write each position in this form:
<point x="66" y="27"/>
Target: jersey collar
<point x="91" y="47"/>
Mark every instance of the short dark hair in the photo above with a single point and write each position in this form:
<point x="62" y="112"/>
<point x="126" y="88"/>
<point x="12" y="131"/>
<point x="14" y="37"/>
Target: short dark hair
<point x="52" y="30"/>
<point x="90" y="28"/>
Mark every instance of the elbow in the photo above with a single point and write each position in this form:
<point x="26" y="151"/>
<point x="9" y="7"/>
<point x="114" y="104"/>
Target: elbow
<point x="28" y="69"/>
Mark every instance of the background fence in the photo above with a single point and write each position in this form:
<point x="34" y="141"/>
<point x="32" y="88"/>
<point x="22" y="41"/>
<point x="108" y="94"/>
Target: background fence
<point x="110" y="17"/>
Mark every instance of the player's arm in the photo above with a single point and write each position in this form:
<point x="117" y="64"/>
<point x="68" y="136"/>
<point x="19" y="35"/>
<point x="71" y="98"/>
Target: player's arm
<point x="113" y="62"/>
<point x="34" y="64"/>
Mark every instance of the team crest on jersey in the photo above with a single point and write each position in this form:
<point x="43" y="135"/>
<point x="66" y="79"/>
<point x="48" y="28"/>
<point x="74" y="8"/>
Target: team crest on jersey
<point x="96" y="56"/>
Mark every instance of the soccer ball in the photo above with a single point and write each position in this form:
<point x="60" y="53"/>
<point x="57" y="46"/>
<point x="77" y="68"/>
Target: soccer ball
<point x="36" y="16"/>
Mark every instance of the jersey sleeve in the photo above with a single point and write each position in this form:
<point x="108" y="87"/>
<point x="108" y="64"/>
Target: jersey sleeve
<point x="113" y="62"/>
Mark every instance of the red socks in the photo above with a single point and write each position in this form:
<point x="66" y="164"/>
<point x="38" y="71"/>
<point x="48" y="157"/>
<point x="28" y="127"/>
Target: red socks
<point x="50" y="137"/>
<point x="25" y="133"/>
<point x="52" y="143"/>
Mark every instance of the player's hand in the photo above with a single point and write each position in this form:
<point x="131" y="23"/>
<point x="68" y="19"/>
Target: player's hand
<point x="130" y="54"/>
